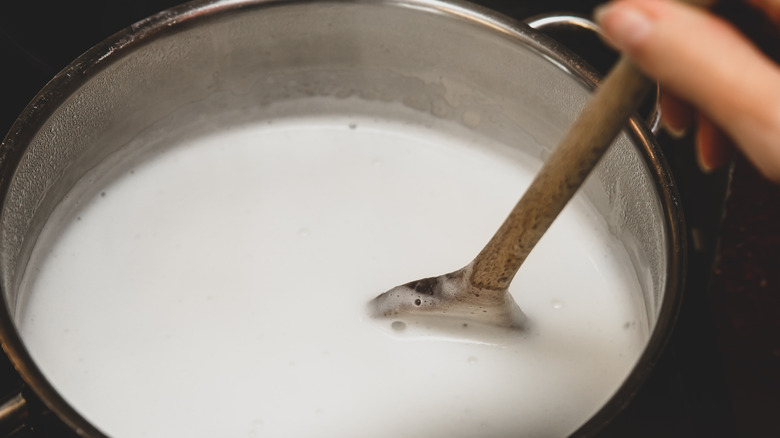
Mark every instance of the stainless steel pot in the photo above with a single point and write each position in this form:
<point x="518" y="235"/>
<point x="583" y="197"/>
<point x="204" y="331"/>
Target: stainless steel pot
<point x="228" y="60"/>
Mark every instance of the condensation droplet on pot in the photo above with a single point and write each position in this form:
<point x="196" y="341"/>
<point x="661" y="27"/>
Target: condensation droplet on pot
<point x="440" y="108"/>
<point x="472" y="359"/>
<point x="398" y="326"/>
<point x="303" y="232"/>
<point x="377" y="162"/>
<point x="556" y="304"/>
<point x="418" y="102"/>
<point x="353" y="125"/>
<point x="472" y="119"/>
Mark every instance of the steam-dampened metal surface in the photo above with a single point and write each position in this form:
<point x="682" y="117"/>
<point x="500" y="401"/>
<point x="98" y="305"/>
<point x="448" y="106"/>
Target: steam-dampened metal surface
<point x="684" y="395"/>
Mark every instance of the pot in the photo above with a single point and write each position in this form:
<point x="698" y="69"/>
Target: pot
<point x="210" y="63"/>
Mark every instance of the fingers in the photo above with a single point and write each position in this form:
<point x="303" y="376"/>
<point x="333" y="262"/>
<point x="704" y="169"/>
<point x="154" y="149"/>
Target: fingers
<point x="770" y="7"/>
<point x="713" y="148"/>
<point x="706" y="62"/>
<point x="676" y="115"/>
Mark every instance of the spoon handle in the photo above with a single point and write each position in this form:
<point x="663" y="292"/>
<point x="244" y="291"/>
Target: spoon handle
<point x="561" y="176"/>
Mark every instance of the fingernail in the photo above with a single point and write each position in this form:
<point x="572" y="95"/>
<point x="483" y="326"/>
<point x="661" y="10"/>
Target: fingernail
<point x="673" y="130"/>
<point x="623" y="25"/>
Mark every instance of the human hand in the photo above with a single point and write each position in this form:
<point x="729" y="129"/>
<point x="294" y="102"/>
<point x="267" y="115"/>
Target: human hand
<point x="709" y="72"/>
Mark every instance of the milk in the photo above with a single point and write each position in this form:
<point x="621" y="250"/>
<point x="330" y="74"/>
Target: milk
<point x="219" y="289"/>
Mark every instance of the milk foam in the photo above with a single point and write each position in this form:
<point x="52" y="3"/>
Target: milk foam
<point x="219" y="289"/>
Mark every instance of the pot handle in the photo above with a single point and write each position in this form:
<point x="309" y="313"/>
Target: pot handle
<point x="13" y="414"/>
<point x="568" y="21"/>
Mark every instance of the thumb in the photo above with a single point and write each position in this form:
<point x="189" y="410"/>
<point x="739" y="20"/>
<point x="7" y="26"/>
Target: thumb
<point x="707" y="62"/>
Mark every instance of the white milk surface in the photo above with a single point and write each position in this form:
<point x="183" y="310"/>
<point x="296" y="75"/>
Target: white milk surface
<point x="220" y="290"/>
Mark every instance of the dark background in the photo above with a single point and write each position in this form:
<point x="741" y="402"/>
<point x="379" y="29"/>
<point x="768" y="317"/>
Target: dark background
<point x="720" y="374"/>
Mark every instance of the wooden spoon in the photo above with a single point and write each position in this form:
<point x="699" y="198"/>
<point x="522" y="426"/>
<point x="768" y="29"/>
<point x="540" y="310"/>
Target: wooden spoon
<point x="479" y="291"/>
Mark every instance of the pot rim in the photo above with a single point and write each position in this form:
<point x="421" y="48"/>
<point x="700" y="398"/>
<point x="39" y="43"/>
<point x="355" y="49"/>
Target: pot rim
<point x="181" y="17"/>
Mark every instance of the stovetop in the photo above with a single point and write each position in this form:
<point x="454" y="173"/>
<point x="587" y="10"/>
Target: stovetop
<point x="691" y="391"/>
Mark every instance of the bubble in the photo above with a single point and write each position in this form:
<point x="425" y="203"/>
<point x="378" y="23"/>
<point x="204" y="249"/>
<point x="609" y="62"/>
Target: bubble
<point x="417" y="302"/>
<point x="353" y="125"/>
<point x="398" y="326"/>
<point x="556" y="304"/>
<point x="472" y="359"/>
<point x="303" y="232"/>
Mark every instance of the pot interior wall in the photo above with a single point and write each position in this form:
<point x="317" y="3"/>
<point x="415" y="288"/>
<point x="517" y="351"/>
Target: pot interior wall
<point x="226" y="68"/>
